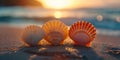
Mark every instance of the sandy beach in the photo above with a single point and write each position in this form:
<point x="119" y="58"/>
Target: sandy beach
<point x="11" y="48"/>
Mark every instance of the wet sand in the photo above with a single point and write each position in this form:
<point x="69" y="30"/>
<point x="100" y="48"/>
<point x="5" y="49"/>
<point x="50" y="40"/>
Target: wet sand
<point x="11" y="48"/>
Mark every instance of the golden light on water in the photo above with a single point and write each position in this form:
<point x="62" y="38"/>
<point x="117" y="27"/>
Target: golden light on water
<point x="99" y="17"/>
<point x="57" y="14"/>
<point x="118" y="19"/>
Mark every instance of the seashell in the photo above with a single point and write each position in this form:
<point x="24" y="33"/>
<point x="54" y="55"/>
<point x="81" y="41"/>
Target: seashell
<point x="32" y="35"/>
<point x="56" y="32"/>
<point x="83" y="33"/>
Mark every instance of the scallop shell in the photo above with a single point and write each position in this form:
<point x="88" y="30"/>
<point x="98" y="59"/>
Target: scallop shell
<point x="32" y="35"/>
<point x="83" y="33"/>
<point x="56" y="32"/>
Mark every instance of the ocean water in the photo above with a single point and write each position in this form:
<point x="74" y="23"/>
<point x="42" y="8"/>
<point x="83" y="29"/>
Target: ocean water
<point x="106" y="20"/>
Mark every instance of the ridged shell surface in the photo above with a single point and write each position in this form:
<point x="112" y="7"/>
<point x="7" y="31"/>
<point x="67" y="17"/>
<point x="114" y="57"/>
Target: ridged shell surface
<point x="82" y="33"/>
<point x="55" y="31"/>
<point x="32" y="35"/>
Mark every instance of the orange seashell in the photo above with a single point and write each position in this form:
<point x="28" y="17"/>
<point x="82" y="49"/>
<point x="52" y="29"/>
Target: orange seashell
<point x="56" y="31"/>
<point x="32" y="35"/>
<point x="82" y="32"/>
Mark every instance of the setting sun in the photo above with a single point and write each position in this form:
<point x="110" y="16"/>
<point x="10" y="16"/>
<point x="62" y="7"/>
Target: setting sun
<point x="56" y="4"/>
<point x="73" y="4"/>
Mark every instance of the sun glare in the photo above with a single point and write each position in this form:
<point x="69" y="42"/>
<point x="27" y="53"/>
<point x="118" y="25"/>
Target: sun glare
<point x="71" y="4"/>
<point x="57" y="14"/>
<point x="56" y="4"/>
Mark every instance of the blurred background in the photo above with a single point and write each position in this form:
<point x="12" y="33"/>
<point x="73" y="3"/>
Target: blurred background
<point x="103" y="14"/>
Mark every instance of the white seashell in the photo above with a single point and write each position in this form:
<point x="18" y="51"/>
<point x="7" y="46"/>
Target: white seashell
<point x="82" y="33"/>
<point x="32" y="35"/>
<point x="56" y="31"/>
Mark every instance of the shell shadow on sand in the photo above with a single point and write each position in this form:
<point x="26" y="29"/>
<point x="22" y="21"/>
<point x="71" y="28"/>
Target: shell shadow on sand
<point x="60" y="53"/>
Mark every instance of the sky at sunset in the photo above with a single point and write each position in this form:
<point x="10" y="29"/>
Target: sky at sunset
<point x="80" y="3"/>
<point x="63" y="4"/>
